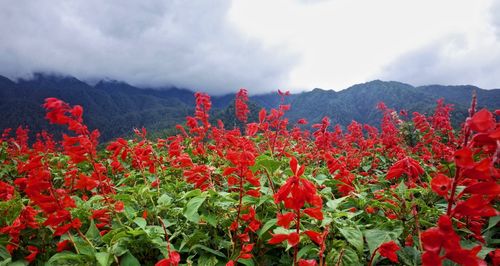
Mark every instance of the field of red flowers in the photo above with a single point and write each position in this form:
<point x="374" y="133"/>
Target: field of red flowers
<point x="414" y="192"/>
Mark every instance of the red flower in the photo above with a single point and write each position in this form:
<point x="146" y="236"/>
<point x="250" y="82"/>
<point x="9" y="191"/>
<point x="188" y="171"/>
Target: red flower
<point x="63" y="245"/>
<point x="482" y="121"/>
<point x="370" y="210"/>
<point x="407" y="166"/>
<point x="6" y="191"/>
<point x="430" y="258"/>
<point x="463" y="158"/>
<point x="315" y="236"/>
<point x="484" y="188"/>
<point x="240" y="105"/>
<point x="314" y="212"/>
<point x="476" y="205"/>
<point x="173" y="260"/>
<point x="292" y="238"/>
<point x="303" y="262"/>
<point x="33" y="252"/>
<point x="388" y="250"/>
<point x="119" y="206"/>
<point x="277" y="238"/>
<point x="302" y="121"/>
<point x="285" y="219"/>
<point x="441" y="184"/>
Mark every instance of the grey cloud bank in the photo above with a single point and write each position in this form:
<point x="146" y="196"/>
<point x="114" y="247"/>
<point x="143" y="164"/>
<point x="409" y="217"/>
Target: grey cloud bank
<point x="147" y="43"/>
<point x="193" y="44"/>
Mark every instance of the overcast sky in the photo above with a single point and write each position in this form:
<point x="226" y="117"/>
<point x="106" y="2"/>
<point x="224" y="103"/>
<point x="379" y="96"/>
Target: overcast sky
<point x="220" y="45"/>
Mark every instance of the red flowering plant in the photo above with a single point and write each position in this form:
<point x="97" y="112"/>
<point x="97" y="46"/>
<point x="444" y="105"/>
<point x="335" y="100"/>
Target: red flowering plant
<point x="475" y="170"/>
<point x="414" y="192"/>
<point x="295" y="194"/>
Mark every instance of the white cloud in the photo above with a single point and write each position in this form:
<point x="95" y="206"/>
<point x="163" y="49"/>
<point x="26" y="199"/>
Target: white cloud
<point x="219" y="45"/>
<point x="471" y="56"/>
<point x="342" y="42"/>
<point x="147" y="42"/>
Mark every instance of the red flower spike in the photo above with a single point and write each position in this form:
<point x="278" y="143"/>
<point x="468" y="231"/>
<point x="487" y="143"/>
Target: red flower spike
<point x="388" y="250"/>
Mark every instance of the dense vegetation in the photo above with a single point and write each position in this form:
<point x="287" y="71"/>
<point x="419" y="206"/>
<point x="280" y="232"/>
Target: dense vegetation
<point x="414" y="192"/>
<point x="115" y="108"/>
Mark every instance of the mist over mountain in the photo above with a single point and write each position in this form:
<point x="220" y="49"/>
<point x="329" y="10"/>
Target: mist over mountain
<point x="115" y="107"/>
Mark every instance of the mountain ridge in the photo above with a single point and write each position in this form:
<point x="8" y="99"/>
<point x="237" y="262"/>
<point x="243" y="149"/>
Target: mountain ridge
<point x="115" y="107"/>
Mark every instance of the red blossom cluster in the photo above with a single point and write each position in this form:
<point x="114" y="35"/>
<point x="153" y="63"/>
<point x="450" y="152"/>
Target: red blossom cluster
<point x="240" y="105"/>
<point x="418" y="155"/>
<point x="475" y="169"/>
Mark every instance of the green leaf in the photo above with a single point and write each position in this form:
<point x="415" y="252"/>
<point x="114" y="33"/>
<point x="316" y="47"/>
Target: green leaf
<point x="402" y="188"/>
<point x="267" y="226"/>
<point x="191" y="209"/>
<point x="354" y="236"/>
<point x="104" y="258"/>
<point x="467" y="244"/>
<point x="333" y="204"/>
<point x="349" y="258"/>
<point x="67" y="258"/>
<point x="164" y="199"/>
<point x="141" y="222"/>
<point x="493" y="222"/>
<point x="211" y="219"/>
<point x="247" y="262"/>
<point x="267" y="162"/>
<point x="213" y="251"/>
<point x="18" y="263"/>
<point x="375" y="237"/>
<point x="119" y="248"/>
<point x="84" y="247"/>
<point x="192" y="193"/>
<point x="208" y="261"/>
<point x="305" y="250"/>
<point x="93" y="233"/>
<point x="129" y="260"/>
<point x="410" y="256"/>
<point x="4" y="253"/>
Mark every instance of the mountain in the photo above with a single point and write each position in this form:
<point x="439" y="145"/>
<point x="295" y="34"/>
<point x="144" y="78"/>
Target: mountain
<point x="115" y="107"/>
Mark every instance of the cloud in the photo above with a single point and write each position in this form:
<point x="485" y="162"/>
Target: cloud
<point x="467" y="57"/>
<point x="495" y="18"/>
<point x="148" y="43"/>
<point x="342" y="42"/>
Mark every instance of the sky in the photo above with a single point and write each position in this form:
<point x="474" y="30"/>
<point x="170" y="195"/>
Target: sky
<point x="219" y="46"/>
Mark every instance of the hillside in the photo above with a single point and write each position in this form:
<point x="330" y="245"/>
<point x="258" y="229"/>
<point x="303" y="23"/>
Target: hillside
<point x="116" y="107"/>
